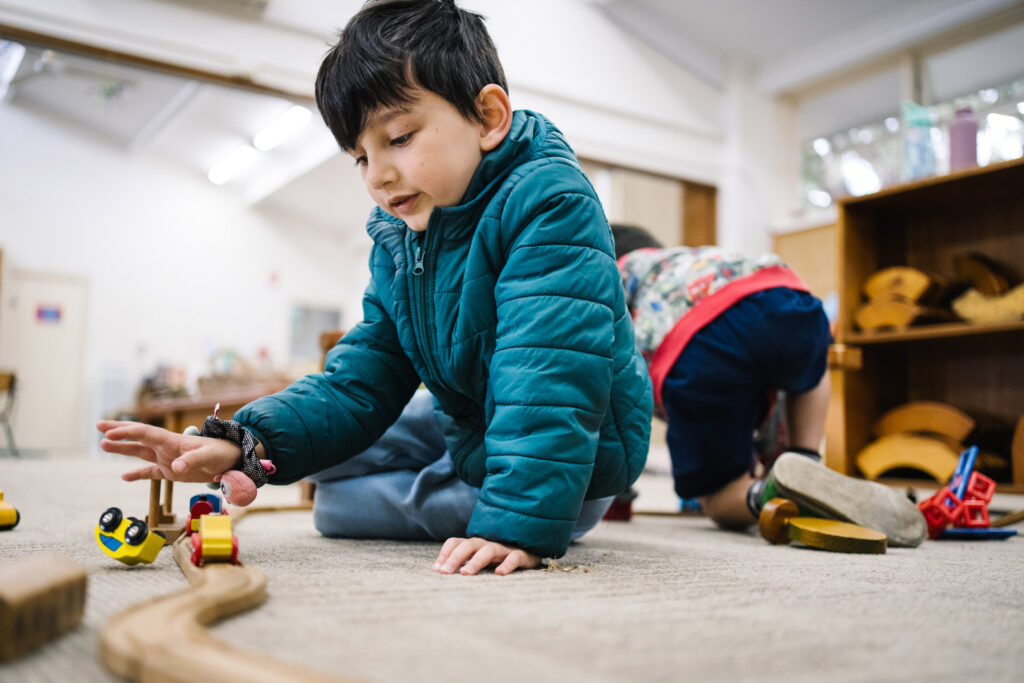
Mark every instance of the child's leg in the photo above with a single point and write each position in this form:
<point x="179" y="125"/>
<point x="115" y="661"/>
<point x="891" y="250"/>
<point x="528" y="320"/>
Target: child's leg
<point x="713" y="400"/>
<point x="404" y="487"/>
<point x="407" y="505"/>
<point x="805" y="415"/>
<point x="728" y="506"/>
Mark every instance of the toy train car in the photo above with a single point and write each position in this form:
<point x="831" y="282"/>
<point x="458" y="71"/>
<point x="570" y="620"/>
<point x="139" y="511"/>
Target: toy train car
<point x="199" y="505"/>
<point x="127" y="539"/>
<point x="213" y="541"/>
<point x="9" y="515"/>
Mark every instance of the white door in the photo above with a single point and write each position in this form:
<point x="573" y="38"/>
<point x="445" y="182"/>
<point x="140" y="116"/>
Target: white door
<point x="44" y="337"/>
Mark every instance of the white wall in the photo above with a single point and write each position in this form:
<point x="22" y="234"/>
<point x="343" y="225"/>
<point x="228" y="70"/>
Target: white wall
<point x="616" y="99"/>
<point x="176" y="266"/>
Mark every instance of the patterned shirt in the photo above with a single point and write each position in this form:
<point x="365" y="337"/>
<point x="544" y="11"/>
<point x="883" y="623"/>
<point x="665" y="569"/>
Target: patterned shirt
<point x="663" y="285"/>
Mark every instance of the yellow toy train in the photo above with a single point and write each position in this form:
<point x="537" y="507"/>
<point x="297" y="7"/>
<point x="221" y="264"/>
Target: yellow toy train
<point x="210" y="531"/>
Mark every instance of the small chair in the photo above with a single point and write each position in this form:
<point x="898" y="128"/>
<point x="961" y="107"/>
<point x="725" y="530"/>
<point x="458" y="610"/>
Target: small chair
<point x="7" y="385"/>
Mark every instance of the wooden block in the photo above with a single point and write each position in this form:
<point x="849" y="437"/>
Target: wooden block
<point x="41" y="597"/>
<point x="931" y="417"/>
<point x="899" y="283"/>
<point x="934" y="457"/>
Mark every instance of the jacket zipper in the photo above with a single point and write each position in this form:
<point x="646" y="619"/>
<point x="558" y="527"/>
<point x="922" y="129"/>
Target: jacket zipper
<point x="421" y="321"/>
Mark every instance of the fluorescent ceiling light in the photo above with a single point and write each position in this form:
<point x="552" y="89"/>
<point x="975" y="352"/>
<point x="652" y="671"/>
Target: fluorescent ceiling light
<point x="280" y="129"/>
<point x="231" y="164"/>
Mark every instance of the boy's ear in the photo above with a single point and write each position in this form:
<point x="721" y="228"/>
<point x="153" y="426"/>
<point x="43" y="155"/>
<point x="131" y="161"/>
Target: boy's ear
<point x="496" y="112"/>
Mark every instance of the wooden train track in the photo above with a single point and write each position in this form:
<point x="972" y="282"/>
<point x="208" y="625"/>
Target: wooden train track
<point x="165" y="639"/>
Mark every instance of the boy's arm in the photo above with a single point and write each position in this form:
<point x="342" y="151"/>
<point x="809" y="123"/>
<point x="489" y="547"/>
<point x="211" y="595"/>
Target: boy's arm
<point x="325" y="417"/>
<point x="551" y="373"/>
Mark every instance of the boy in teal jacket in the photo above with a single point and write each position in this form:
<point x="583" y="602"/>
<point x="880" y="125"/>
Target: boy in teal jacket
<point x="493" y="282"/>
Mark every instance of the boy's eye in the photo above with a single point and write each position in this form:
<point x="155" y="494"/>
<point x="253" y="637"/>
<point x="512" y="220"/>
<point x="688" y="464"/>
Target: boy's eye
<point x="402" y="140"/>
<point x="361" y="160"/>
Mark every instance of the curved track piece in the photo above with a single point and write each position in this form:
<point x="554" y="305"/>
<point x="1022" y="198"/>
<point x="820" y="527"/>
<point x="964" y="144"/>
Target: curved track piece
<point x="165" y="639"/>
<point x="932" y="456"/>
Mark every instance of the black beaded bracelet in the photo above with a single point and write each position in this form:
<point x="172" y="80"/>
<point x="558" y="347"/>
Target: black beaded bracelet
<point x="232" y="431"/>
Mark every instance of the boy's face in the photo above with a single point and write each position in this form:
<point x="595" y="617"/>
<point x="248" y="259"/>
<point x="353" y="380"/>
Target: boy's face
<point x="417" y="156"/>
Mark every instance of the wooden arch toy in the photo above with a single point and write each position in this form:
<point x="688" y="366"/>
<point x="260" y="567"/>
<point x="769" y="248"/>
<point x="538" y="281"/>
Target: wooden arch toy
<point x="931" y="417"/>
<point x="932" y="456"/>
<point x="780" y="523"/>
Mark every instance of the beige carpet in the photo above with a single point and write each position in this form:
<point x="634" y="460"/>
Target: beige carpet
<point x="666" y="599"/>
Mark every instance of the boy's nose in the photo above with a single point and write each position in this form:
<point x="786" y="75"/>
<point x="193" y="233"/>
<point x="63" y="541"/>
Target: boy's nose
<point x="379" y="175"/>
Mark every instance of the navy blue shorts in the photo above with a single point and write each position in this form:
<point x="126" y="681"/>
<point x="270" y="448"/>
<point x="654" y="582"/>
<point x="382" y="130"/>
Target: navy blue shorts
<point x="716" y="393"/>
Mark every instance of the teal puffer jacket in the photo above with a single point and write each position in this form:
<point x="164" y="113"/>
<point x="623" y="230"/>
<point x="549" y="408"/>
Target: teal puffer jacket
<point x="510" y="309"/>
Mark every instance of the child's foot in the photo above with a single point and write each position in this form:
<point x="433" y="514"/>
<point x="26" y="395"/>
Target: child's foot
<point x="821" y="492"/>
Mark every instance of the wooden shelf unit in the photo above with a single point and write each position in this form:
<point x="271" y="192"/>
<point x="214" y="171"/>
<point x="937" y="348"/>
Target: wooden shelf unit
<point x="977" y="368"/>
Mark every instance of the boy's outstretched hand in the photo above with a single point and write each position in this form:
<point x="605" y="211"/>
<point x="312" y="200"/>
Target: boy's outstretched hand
<point x="177" y="457"/>
<point x="470" y="555"/>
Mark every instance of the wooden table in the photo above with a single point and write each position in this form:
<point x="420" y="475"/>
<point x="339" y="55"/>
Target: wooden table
<point x="175" y="414"/>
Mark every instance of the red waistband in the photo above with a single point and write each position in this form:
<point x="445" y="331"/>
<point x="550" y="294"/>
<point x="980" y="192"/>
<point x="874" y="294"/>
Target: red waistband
<point x="709" y="308"/>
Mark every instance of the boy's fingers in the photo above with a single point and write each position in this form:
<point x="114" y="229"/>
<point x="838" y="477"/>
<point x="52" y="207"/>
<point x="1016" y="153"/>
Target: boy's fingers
<point x="461" y="554"/>
<point x="136" y="431"/>
<point x="482" y="558"/>
<point x="129" y="448"/>
<point x="446" y="550"/>
<point x="148" y="472"/>
<point x="105" y="425"/>
<point x="515" y="560"/>
<point x="187" y="462"/>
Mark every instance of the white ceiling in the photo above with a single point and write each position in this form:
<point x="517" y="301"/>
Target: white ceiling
<point x="789" y="44"/>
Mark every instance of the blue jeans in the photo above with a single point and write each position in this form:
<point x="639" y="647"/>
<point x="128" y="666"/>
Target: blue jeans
<point x="405" y="487"/>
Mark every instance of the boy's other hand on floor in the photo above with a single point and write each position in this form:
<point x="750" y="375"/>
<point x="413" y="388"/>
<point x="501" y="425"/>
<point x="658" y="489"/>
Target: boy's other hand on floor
<point x="470" y="555"/>
<point x="177" y="457"/>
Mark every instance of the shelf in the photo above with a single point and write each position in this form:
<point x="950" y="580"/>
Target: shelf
<point x="940" y="331"/>
<point x="978" y="368"/>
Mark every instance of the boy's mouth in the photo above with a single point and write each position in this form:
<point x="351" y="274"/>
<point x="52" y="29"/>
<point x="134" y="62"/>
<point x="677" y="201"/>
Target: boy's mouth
<point x="402" y="203"/>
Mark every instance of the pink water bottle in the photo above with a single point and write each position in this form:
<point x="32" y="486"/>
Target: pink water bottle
<point x="963" y="140"/>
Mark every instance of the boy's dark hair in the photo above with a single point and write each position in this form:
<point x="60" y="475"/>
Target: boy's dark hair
<point x="629" y="238"/>
<point x="392" y="46"/>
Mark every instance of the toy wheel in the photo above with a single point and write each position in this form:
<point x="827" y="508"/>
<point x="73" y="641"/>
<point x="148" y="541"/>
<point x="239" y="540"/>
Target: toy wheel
<point x="197" y="550"/>
<point x="136" y="532"/>
<point x="774" y="520"/>
<point x="17" y="518"/>
<point x="110" y="519"/>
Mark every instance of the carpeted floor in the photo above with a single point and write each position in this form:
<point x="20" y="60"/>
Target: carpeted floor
<point x="665" y="599"/>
